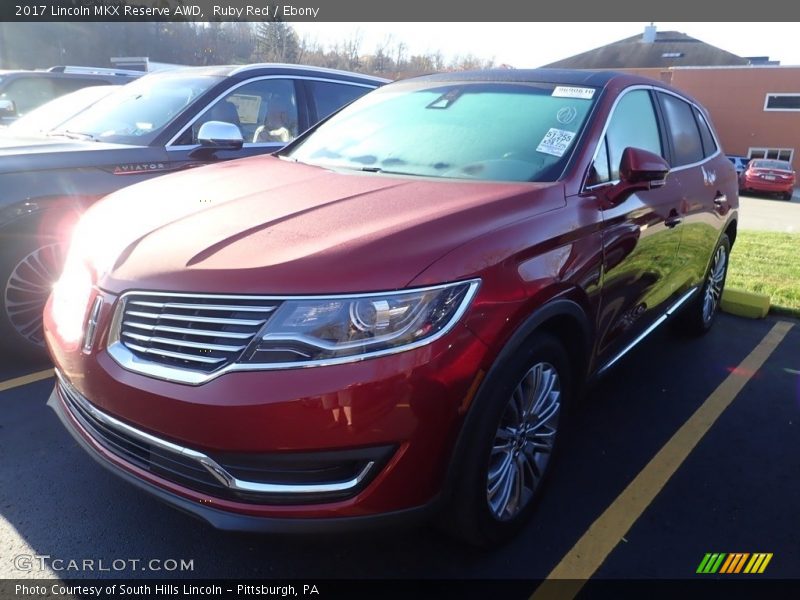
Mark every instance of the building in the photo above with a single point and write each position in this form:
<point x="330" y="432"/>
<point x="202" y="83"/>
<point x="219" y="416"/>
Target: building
<point x="754" y="102"/>
<point x="652" y="49"/>
<point x="755" y="109"/>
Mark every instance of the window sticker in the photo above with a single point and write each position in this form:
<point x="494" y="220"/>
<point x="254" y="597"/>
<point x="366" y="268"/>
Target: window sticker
<point x="555" y="142"/>
<point x="248" y="107"/>
<point x="565" y="91"/>
<point x="566" y="115"/>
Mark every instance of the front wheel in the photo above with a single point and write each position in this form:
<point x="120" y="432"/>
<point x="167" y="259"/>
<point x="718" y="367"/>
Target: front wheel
<point x="28" y="269"/>
<point x="511" y="443"/>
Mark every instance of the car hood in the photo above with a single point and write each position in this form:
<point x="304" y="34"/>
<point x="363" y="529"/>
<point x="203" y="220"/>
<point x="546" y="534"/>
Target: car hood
<point x="265" y="225"/>
<point x="40" y="153"/>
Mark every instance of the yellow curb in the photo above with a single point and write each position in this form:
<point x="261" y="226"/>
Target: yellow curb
<point x="745" y="304"/>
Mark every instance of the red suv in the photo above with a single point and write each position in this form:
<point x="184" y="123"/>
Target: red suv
<point x="388" y="318"/>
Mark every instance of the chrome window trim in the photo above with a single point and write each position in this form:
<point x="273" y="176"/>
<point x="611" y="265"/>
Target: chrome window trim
<point x="246" y="82"/>
<point x="130" y="362"/>
<point x="611" y="114"/>
<point x="257" y="66"/>
<point x="213" y="467"/>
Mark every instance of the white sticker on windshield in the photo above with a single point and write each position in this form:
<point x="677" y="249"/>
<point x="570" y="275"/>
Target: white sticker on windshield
<point x="565" y="91"/>
<point x="555" y="142"/>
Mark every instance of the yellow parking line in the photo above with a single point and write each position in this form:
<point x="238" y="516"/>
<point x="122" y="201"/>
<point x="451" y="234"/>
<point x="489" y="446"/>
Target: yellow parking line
<point x="586" y="556"/>
<point x="25" y="380"/>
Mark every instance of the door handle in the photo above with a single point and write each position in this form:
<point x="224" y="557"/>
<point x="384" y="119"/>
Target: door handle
<point x="720" y="199"/>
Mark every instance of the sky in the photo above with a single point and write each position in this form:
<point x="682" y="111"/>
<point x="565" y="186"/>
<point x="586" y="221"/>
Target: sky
<point x="526" y="45"/>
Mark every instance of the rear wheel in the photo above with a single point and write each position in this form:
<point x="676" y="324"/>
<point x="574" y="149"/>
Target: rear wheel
<point x="699" y="316"/>
<point x="512" y="441"/>
<point x="787" y="195"/>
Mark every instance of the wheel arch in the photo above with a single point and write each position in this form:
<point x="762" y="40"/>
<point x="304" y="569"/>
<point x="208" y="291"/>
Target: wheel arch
<point x="561" y="318"/>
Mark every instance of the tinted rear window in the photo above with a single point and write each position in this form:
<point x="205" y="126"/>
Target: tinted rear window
<point x="686" y="143"/>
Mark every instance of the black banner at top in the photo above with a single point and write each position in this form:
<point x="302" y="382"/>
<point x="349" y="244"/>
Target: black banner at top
<point x="393" y="11"/>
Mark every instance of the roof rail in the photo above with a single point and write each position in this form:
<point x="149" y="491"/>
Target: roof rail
<point x="95" y="71"/>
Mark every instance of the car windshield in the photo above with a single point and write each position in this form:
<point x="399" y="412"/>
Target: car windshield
<point x="772" y="164"/>
<point x="497" y="131"/>
<point x="139" y="111"/>
<point x="53" y="113"/>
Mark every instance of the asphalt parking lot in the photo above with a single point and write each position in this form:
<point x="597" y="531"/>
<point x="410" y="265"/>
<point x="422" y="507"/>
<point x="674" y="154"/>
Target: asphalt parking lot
<point x="736" y="491"/>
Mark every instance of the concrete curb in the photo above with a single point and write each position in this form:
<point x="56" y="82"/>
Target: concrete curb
<point x="745" y="304"/>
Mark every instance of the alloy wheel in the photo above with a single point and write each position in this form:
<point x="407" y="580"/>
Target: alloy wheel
<point x="523" y="442"/>
<point x="714" y="284"/>
<point x="27" y="289"/>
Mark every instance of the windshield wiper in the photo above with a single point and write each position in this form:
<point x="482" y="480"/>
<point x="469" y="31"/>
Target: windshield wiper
<point x="73" y="135"/>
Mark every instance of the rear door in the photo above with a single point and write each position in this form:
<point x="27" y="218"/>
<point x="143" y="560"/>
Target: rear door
<point x="708" y="186"/>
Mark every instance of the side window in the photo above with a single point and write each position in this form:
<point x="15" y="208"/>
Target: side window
<point x="330" y="97"/>
<point x="29" y="92"/>
<point x="633" y="125"/>
<point x="709" y="145"/>
<point x="600" y="172"/>
<point x="686" y="142"/>
<point x="263" y="110"/>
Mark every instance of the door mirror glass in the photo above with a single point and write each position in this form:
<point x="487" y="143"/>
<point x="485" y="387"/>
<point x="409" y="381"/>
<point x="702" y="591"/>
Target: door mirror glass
<point x="644" y="168"/>
<point x="220" y="135"/>
<point x="8" y="108"/>
<point x="639" y="170"/>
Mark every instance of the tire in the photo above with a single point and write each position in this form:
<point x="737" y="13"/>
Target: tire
<point x="503" y="470"/>
<point x="700" y="314"/>
<point x="29" y="265"/>
<point x="787" y="195"/>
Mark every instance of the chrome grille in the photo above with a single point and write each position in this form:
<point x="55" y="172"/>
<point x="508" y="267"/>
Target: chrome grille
<point x="198" y="332"/>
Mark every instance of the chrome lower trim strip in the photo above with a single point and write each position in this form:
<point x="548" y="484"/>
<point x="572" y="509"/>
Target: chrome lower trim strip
<point x="219" y="473"/>
<point x="668" y="313"/>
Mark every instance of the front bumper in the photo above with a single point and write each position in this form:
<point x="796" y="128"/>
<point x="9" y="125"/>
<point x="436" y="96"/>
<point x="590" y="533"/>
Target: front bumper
<point x="394" y="420"/>
<point x="226" y="520"/>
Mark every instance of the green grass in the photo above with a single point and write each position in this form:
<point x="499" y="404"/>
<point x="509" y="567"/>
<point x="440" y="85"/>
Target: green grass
<point x="768" y="263"/>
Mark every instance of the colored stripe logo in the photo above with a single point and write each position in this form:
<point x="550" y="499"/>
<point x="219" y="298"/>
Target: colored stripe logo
<point x="736" y="562"/>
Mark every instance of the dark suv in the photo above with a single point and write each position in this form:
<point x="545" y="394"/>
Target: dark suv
<point x="22" y="91"/>
<point x="389" y="317"/>
<point x="145" y="129"/>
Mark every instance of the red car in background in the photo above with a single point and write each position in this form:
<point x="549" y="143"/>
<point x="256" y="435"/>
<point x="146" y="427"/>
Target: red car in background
<point x="768" y="176"/>
<point x="388" y="319"/>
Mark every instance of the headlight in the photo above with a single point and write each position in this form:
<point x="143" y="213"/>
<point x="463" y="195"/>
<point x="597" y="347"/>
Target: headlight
<point x="71" y="295"/>
<point x="314" y="329"/>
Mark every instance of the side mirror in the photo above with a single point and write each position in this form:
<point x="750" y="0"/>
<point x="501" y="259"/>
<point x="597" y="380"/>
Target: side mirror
<point x="8" y="108"/>
<point x="639" y="170"/>
<point x="219" y="135"/>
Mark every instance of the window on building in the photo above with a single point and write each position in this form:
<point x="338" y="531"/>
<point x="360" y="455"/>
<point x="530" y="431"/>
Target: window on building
<point x="782" y="102"/>
<point x="773" y="153"/>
